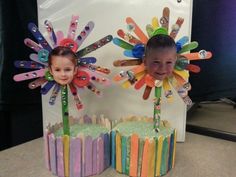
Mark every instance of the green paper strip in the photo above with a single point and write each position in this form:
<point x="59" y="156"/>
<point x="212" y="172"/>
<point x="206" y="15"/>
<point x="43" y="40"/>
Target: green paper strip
<point x="65" y="113"/>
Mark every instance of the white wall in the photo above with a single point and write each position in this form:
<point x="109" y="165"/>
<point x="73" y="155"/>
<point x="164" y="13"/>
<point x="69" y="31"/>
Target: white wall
<point x="109" y="16"/>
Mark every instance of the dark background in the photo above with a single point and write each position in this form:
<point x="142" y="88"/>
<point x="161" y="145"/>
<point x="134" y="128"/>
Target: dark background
<point x="20" y="107"/>
<point x="213" y="26"/>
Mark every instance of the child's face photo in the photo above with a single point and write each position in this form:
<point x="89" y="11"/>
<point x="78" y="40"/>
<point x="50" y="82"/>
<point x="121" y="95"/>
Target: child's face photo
<point x="62" y="69"/>
<point x="160" y="62"/>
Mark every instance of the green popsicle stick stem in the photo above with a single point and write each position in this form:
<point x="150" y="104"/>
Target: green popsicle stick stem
<point x="157" y="108"/>
<point x="65" y="113"/>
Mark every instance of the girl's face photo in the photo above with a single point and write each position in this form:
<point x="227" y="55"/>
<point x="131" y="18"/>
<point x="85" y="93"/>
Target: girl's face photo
<point x="160" y="63"/>
<point x="62" y="69"/>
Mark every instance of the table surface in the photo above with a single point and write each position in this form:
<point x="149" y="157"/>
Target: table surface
<point x="199" y="156"/>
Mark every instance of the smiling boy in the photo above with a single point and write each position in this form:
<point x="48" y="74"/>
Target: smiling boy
<point x="160" y="56"/>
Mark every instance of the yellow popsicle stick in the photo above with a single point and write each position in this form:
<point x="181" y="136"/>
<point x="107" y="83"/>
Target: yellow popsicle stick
<point x="138" y="76"/>
<point x="66" y="143"/>
<point x="118" y="153"/>
<point x="155" y="23"/>
<point x="167" y="88"/>
<point x="159" y="153"/>
<point x="174" y="151"/>
<point x="151" y="158"/>
<point x="184" y="74"/>
<point x="135" y="70"/>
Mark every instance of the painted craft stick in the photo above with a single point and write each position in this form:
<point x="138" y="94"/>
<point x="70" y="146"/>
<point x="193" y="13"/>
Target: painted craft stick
<point x="129" y="53"/>
<point x="155" y="23"/>
<point x="55" y="92"/>
<point x="132" y="80"/>
<point x="202" y="54"/>
<point x="77" y="99"/>
<point x="84" y="33"/>
<point x="188" y="47"/>
<point x="122" y="44"/>
<point x="165" y="18"/>
<point x="94" y="46"/>
<point x="38" y="36"/>
<point x="123" y="74"/>
<point x="73" y="27"/>
<point x="134" y="155"/>
<point x="144" y="171"/>
<point x="51" y="33"/>
<point x="182" y="41"/>
<point x="137" y="30"/>
<point x="176" y="27"/>
<point x="149" y="30"/>
<point x="45" y="89"/>
<point x="75" y="157"/>
<point x="27" y="64"/>
<point x="118" y="153"/>
<point x="33" y="45"/>
<point x="130" y="62"/>
<point x="86" y="60"/>
<point x="128" y="37"/>
<point x="98" y="68"/>
<point x="29" y="75"/>
<point x="60" y="157"/>
<point x="34" y="57"/>
<point x="60" y="36"/>
<point x="147" y="92"/>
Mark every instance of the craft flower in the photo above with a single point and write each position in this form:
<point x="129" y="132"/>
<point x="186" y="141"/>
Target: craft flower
<point x="139" y="75"/>
<point x="86" y="73"/>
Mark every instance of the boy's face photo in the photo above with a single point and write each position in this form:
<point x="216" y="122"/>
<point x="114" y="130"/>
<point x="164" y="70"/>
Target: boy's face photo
<point x="160" y="62"/>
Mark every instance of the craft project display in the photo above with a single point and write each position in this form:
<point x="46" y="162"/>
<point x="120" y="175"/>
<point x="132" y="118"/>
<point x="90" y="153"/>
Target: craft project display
<point x="61" y="66"/>
<point x="157" y="67"/>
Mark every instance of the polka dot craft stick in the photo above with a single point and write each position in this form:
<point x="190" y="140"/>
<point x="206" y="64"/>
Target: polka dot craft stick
<point x="134" y="27"/>
<point x="128" y="37"/>
<point x="37" y="34"/>
<point x="51" y="33"/>
<point x="73" y="27"/>
<point x="33" y="45"/>
<point x="39" y="63"/>
<point x="84" y="33"/>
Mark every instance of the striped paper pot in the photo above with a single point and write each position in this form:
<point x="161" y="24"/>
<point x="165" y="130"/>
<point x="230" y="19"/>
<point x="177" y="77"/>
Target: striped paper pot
<point x="146" y="157"/>
<point x="77" y="156"/>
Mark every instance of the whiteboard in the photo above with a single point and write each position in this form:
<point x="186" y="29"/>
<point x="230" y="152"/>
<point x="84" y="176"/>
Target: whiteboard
<point x="109" y="16"/>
